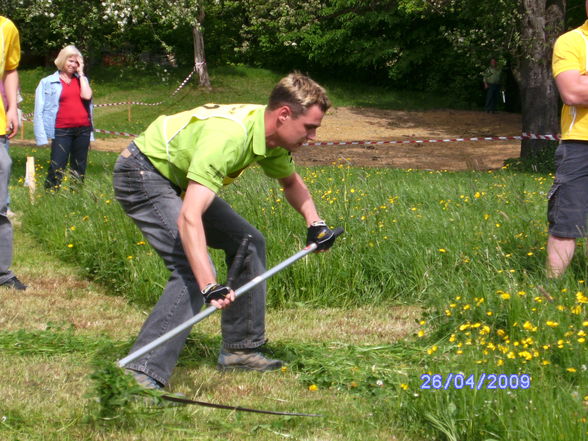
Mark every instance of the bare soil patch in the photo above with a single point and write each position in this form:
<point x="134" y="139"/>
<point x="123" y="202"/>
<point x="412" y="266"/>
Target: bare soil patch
<point x="345" y="124"/>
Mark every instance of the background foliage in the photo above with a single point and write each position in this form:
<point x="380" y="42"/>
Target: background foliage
<point x="413" y="44"/>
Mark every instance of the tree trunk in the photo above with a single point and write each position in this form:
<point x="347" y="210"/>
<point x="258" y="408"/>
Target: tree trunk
<point x="542" y="23"/>
<point x="199" y="58"/>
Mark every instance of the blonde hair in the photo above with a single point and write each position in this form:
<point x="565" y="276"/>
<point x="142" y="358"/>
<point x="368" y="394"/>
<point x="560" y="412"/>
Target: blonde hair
<point x="65" y="53"/>
<point x="300" y="93"/>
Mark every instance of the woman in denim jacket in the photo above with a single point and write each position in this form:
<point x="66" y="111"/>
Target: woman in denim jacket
<point x="63" y="113"/>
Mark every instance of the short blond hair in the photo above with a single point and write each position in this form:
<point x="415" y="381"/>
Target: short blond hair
<point x="300" y="93"/>
<point x="65" y="53"/>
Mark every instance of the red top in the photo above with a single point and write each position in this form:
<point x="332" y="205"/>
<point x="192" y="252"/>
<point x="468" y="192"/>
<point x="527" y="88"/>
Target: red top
<point x="72" y="112"/>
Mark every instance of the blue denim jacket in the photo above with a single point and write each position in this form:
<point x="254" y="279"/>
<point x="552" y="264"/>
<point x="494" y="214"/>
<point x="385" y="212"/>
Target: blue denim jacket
<point x="46" y="107"/>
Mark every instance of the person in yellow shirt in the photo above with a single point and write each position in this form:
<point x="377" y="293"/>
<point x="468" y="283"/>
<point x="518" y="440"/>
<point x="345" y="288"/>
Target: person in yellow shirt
<point x="196" y="153"/>
<point x="568" y="197"/>
<point x="9" y="59"/>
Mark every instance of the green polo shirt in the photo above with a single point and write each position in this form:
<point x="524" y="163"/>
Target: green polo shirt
<point x="212" y="145"/>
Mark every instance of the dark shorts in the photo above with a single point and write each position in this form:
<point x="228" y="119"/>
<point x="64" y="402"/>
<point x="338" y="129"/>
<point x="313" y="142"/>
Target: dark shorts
<point x="568" y="198"/>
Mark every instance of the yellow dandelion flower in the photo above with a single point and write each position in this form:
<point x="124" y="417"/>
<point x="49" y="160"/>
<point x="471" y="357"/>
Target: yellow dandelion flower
<point x="284" y="368"/>
<point x="72" y="228"/>
<point x="500" y="362"/>
<point x="404" y="386"/>
<point x="552" y="324"/>
<point x="581" y="298"/>
<point x="70" y="245"/>
<point x="572" y="370"/>
<point x="545" y="362"/>
<point x="421" y="333"/>
<point x="576" y="309"/>
<point x="432" y="350"/>
<point x="313" y="387"/>
<point x="442" y="250"/>
<point x="505" y="296"/>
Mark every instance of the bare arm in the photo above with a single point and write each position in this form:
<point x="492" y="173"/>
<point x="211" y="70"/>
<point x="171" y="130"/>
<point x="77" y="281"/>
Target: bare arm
<point x="299" y="197"/>
<point x="11" y="87"/>
<point x="196" y="201"/>
<point x="573" y="88"/>
<point x="85" y="89"/>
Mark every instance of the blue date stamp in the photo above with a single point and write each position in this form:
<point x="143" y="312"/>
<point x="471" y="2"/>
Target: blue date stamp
<point x="483" y="381"/>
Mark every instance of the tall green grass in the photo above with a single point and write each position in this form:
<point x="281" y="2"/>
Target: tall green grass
<point x="468" y="247"/>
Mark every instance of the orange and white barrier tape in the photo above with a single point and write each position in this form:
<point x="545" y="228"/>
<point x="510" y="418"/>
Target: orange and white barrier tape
<point x="139" y="103"/>
<point x="524" y="135"/>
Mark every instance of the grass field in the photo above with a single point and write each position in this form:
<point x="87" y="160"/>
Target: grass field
<point x="431" y="318"/>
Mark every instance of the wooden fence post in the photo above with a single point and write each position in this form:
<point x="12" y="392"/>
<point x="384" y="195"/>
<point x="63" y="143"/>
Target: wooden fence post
<point x="30" y="177"/>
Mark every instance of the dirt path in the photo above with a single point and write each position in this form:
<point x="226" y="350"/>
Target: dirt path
<point x="365" y="124"/>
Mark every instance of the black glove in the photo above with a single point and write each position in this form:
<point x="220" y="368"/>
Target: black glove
<point x="320" y="234"/>
<point x="214" y="291"/>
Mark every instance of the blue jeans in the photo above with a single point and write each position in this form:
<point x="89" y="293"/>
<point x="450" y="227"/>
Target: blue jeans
<point x="71" y="145"/>
<point x="7" y="145"/>
<point x="5" y="225"/>
<point x="154" y="204"/>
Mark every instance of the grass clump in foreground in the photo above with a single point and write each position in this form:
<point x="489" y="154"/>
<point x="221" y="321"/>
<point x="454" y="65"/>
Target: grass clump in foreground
<point x="468" y="247"/>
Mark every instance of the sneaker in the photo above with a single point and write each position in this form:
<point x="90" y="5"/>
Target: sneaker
<point x="145" y="380"/>
<point x="14" y="283"/>
<point x="248" y="360"/>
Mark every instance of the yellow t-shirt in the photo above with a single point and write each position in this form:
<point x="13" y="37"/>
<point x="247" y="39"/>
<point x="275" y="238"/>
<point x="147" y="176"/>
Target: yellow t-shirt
<point x="569" y="53"/>
<point x="212" y="145"/>
<point x="9" y="58"/>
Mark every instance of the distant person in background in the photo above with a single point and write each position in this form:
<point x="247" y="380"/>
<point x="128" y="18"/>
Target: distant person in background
<point x="492" y="84"/>
<point x="63" y="113"/>
<point x="9" y="60"/>
<point x="568" y="197"/>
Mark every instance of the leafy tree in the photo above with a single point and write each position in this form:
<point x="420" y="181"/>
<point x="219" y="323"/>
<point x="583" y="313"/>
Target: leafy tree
<point x="167" y="14"/>
<point x="521" y="32"/>
<point x="48" y="25"/>
<point x="389" y="41"/>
